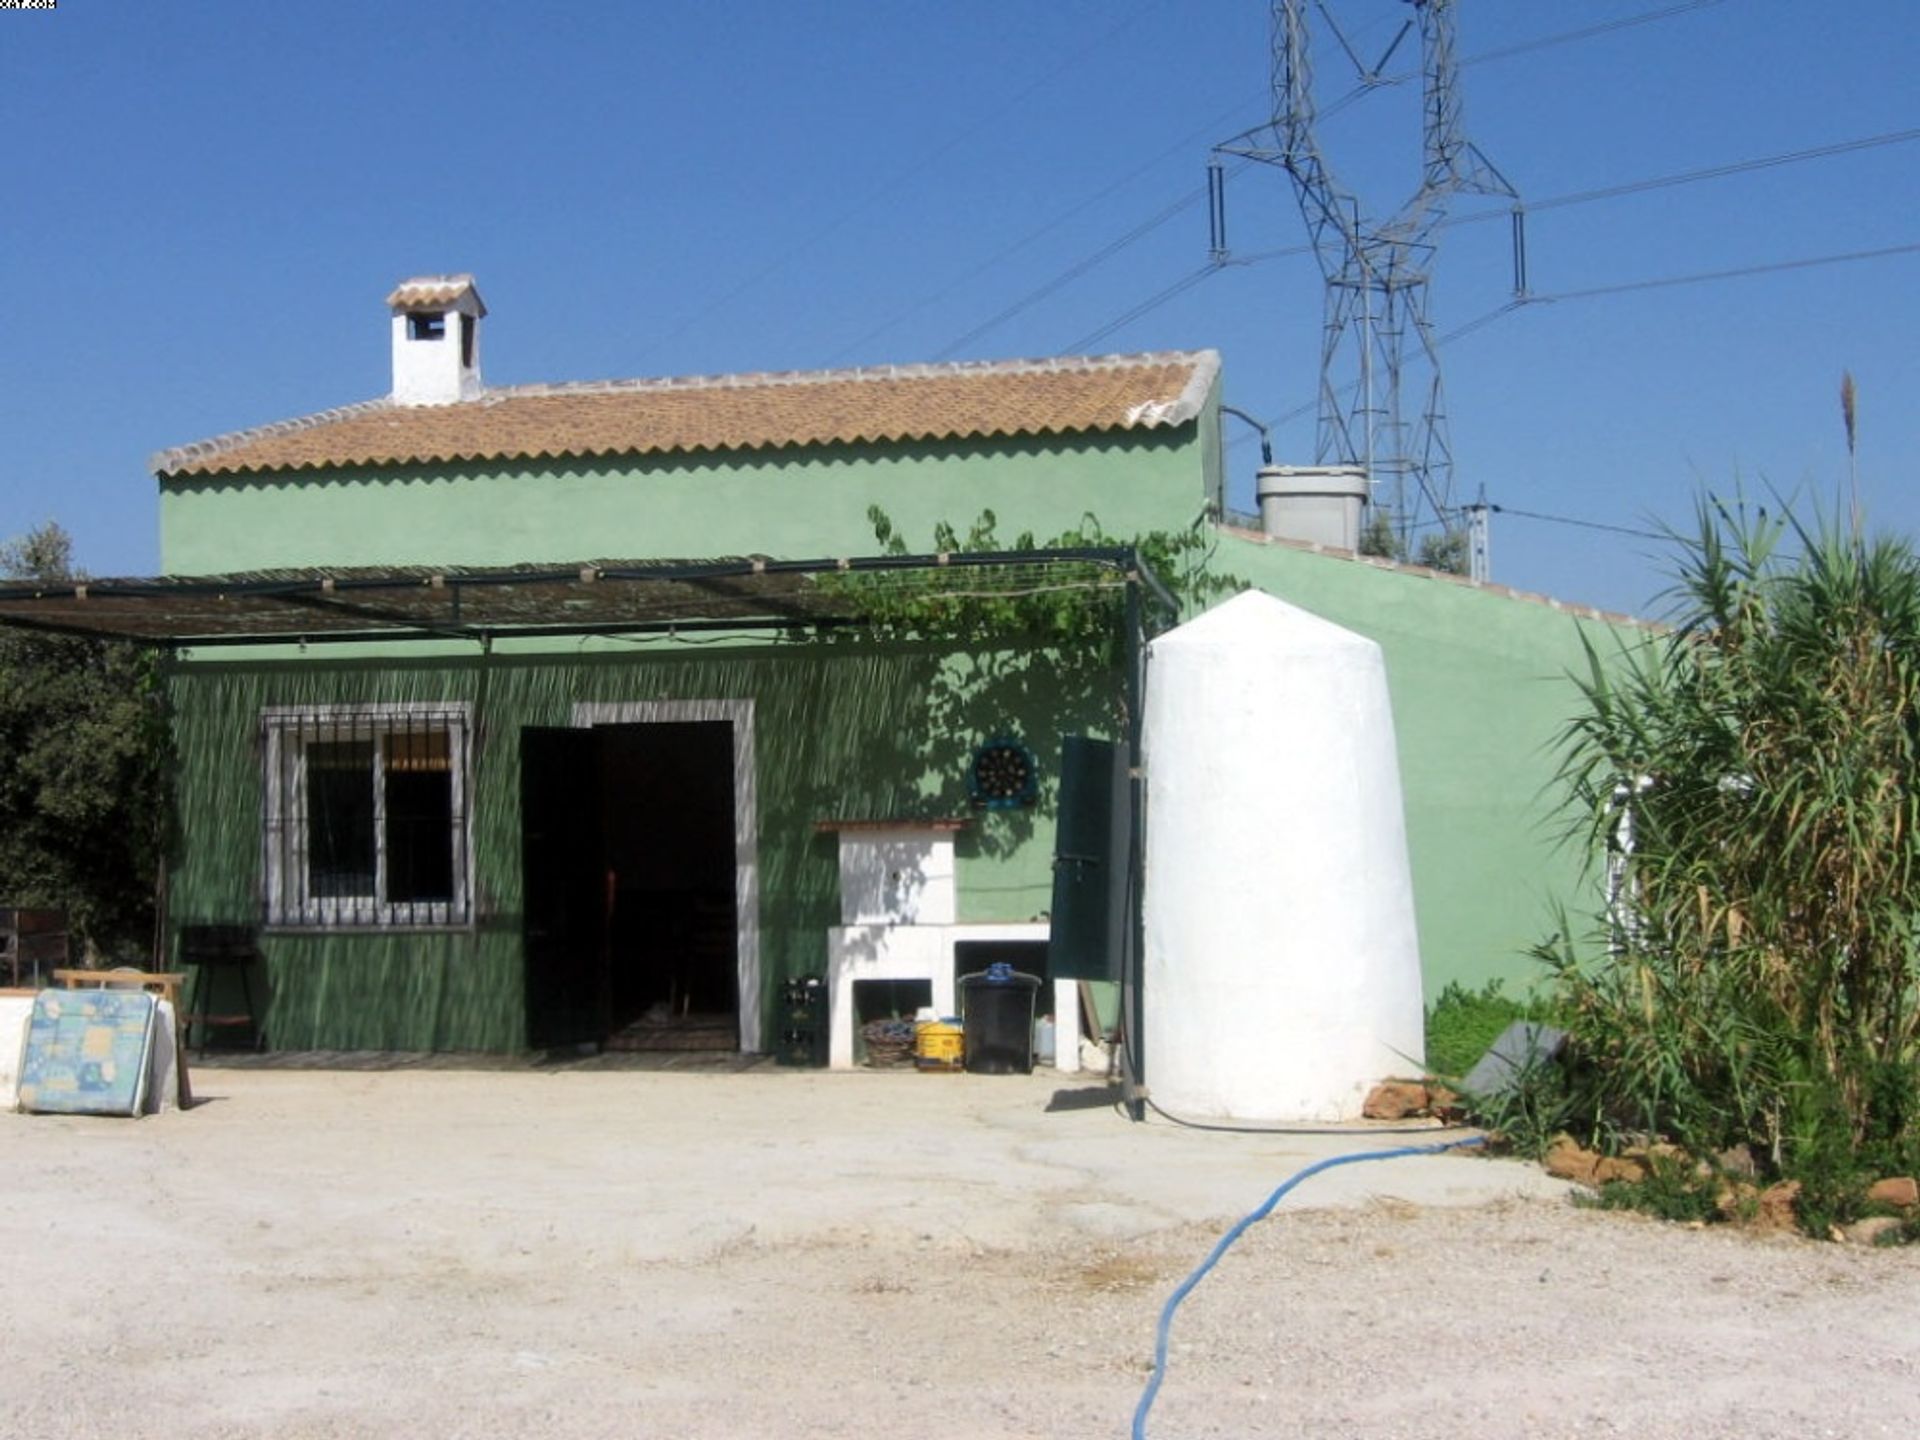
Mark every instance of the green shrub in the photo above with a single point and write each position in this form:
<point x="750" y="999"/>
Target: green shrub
<point x="1755" y="981"/>
<point x="1461" y="1026"/>
<point x="1671" y="1192"/>
<point x="1463" y="1023"/>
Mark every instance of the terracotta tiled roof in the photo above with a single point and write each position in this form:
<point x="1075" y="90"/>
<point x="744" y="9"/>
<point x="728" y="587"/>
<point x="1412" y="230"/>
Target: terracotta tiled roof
<point x="878" y="405"/>
<point x="433" y="292"/>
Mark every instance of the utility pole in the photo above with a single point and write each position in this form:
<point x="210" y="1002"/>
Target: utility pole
<point x="1377" y="273"/>
<point x="1479" y="538"/>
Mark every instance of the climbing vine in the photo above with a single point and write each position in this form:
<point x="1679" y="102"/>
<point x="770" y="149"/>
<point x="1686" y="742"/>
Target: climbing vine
<point x="1026" y="651"/>
<point x="1069" y="609"/>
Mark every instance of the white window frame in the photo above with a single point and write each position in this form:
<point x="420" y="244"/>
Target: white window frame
<point x="1624" y="921"/>
<point x="286" y="732"/>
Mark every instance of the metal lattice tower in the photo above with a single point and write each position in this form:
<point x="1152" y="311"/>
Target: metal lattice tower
<point x="1377" y="272"/>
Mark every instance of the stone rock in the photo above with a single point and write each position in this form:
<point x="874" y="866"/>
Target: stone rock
<point x="1567" y="1159"/>
<point x="1900" y="1191"/>
<point x="1738" y="1160"/>
<point x="1662" y="1153"/>
<point x="1870" y="1230"/>
<point x="1777" y="1204"/>
<point x="1628" y="1169"/>
<point x="1395" y="1100"/>
<point x="1657" y="1155"/>
<point x="1737" y="1201"/>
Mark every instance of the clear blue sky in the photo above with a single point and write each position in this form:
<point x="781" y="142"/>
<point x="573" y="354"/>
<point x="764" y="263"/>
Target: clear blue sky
<point x="205" y="203"/>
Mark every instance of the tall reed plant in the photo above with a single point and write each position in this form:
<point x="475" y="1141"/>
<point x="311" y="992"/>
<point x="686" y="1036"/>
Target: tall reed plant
<point x="1751" y="782"/>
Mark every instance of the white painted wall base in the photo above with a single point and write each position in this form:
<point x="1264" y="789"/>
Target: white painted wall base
<point x="925" y="952"/>
<point x="15" y="1010"/>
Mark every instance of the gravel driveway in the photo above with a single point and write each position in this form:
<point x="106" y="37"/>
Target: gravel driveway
<point x="603" y="1253"/>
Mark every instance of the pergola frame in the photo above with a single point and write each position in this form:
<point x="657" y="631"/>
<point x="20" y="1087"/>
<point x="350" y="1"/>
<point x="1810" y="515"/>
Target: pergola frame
<point x="363" y="605"/>
<point x="485" y="604"/>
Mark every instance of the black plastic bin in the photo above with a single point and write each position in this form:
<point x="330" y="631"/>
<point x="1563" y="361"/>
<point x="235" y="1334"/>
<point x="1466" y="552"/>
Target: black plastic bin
<point x="996" y="1020"/>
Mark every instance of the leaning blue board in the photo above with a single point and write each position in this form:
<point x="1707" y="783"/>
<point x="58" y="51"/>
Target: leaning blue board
<point x="87" y="1052"/>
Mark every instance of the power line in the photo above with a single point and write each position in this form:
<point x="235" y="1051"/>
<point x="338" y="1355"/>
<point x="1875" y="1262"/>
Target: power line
<point x="1193" y="197"/>
<point x="1738" y="273"/>
<point x="1626" y="287"/>
<point x="1567" y="37"/>
<point x="1582" y="524"/>
<point x="1526" y="47"/>
<point x="1048" y="228"/>
<point x="1153" y="302"/>
<point x="899" y="177"/>
<point x="1072" y="272"/>
<point x="1553" y="202"/>
<point x="1300" y="412"/>
<point x="1460" y="332"/>
<point x="1636" y="187"/>
<point x="1712" y="172"/>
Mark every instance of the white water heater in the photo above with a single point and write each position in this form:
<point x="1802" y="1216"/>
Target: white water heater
<point x="1282" y="969"/>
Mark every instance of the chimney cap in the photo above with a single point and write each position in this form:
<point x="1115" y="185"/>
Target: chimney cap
<point x="436" y="292"/>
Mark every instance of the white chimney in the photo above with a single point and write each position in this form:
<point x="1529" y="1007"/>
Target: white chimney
<point x="436" y="339"/>
<point x="1321" y="503"/>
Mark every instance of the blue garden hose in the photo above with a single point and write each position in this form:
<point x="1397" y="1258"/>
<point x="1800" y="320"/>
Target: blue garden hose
<point x="1240" y="1228"/>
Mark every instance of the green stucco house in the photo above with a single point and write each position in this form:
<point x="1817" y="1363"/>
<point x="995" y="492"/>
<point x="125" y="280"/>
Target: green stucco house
<point x="433" y="712"/>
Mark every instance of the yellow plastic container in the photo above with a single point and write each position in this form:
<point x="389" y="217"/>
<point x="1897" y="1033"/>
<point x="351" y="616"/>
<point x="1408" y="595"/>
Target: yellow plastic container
<point x="937" y="1045"/>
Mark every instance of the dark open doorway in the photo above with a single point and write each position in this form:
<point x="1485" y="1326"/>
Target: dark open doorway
<point x="667" y="813"/>
<point x="631" y="928"/>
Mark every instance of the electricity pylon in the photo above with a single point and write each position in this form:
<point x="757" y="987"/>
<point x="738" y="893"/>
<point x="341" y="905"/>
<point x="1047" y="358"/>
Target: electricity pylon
<point x="1377" y="273"/>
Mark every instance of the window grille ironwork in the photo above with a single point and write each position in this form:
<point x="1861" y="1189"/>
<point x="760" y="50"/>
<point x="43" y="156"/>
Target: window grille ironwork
<point x="366" y="817"/>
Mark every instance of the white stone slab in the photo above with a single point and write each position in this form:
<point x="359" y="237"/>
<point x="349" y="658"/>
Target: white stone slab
<point x="901" y="876"/>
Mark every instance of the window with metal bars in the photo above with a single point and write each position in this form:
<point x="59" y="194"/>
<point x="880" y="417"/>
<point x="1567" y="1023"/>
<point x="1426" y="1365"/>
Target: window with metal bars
<point x="366" y="816"/>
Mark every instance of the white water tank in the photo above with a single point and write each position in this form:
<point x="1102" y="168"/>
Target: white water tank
<point x="1282" y="970"/>
<point x="1324" y="504"/>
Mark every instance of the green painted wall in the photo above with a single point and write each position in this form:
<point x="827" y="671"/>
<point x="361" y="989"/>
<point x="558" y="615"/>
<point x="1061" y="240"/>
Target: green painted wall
<point x="1481" y="692"/>
<point x="1478" y="680"/>
<point x="795" y="503"/>
<point x="847" y="728"/>
<point x="843" y="729"/>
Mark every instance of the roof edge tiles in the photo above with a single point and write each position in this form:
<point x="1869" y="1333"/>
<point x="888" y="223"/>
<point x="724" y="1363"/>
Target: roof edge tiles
<point x="434" y="292"/>
<point x="530" y="421"/>
<point x="1426" y="572"/>
<point x="1206" y="364"/>
<point x="187" y="457"/>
